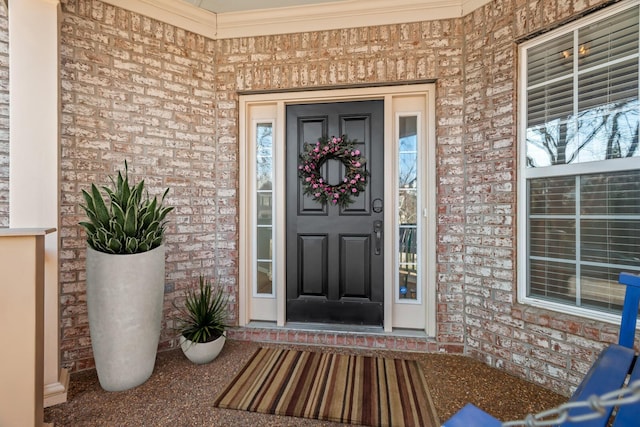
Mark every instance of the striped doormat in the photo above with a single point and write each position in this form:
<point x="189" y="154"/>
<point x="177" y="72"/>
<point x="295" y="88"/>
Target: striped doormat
<point x="348" y="389"/>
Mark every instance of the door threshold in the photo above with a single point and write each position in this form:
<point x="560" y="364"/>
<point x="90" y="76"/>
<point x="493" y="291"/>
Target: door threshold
<point x="338" y="328"/>
<point x="334" y="327"/>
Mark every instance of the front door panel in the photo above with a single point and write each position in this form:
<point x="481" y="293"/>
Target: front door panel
<point x="334" y="261"/>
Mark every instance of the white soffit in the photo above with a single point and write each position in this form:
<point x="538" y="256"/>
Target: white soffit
<point x="294" y="19"/>
<point x="222" y="6"/>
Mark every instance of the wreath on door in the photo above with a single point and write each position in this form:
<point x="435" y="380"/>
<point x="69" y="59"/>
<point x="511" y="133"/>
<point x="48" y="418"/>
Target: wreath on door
<point x="316" y="186"/>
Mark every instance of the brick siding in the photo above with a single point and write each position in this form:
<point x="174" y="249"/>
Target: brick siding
<point x="548" y="348"/>
<point x="4" y="117"/>
<point x="167" y="101"/>
<point x="144" y="91"/>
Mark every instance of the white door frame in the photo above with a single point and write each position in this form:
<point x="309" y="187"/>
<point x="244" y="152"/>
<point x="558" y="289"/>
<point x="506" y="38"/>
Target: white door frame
<point x="271" y="108"/>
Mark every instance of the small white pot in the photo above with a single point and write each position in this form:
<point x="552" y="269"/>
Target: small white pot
<point x="201" y="353"/>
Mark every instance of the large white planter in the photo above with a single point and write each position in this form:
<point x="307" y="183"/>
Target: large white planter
<point x="201" y="353"/>
<point x="124" y="300"/>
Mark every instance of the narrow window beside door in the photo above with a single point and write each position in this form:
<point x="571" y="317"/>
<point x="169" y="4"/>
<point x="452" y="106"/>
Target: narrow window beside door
<point x="408" y="289"/>
<point x="263" y="285"/>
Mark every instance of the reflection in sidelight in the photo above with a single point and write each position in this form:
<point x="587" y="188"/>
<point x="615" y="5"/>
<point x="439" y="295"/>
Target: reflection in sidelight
<point x="408" y="208"/>
<point x="263" y="285"/>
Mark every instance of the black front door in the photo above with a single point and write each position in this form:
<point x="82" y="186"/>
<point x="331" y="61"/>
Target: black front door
<point x="334" y="254"/>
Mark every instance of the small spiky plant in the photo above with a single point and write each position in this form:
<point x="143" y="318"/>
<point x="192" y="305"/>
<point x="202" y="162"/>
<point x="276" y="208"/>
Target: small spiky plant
<point x="204" y="314"/>
<point x="128" y="221"/>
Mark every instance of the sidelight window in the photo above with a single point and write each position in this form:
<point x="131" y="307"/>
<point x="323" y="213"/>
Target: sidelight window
<point x="263" y="285"/>
<point x="408" y="198"/>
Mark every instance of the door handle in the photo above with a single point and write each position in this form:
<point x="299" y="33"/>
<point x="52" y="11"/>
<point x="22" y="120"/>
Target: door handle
<point x="377" y="231"/>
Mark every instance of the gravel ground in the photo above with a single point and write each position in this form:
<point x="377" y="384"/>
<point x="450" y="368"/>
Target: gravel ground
<point x="180" y="393"/>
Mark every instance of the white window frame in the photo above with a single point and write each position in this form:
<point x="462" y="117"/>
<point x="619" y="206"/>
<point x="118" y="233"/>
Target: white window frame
<point x="405" y="99"/>
<point x="526" y="174"/>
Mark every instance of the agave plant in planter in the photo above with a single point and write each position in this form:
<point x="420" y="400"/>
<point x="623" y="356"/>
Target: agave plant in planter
<point x="130" y="223"/>
<point x="202" y="322"/>
<point x="125" y="279"/>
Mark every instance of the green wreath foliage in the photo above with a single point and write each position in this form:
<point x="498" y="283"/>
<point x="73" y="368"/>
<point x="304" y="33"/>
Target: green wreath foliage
<point x="314" y="184"/>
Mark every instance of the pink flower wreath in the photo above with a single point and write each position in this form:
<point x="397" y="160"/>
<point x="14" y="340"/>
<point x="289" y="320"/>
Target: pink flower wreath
<point x="314" y="185"/>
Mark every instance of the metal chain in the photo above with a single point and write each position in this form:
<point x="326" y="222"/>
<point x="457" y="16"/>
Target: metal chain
<point x="596" y="404"/>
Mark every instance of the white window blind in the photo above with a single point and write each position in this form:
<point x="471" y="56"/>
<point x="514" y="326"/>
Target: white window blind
<point x="582" y="115"/>
<point x="583" y="231"/>
<point x="582" y="94"/>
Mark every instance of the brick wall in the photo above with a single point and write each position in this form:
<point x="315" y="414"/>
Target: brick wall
<point x="140" y="90"/>
<point x="393" y="53"/>
<point x="166" y="100"/>
<point x="548" y="348"/>
<point x="4" y="117"/>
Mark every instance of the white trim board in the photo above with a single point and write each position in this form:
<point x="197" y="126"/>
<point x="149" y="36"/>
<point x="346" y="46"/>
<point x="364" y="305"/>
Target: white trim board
<point x="314" y="17"/>
<point x="35" y="155"/>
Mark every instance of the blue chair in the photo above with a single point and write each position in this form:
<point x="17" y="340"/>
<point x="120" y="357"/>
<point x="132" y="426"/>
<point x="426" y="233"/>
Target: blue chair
<point x="608" y="373"/>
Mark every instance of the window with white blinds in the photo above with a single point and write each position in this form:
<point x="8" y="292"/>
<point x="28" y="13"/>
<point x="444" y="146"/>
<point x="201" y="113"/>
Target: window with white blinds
<point x="581" y="160"/>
